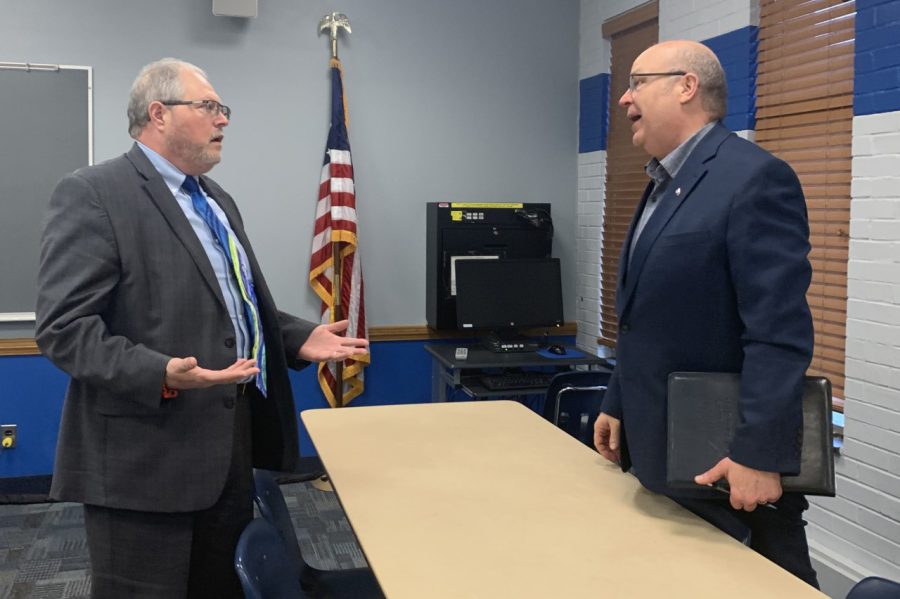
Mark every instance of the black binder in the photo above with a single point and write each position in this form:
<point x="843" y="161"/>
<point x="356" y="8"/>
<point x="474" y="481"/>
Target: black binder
<point x="703" y="415"/>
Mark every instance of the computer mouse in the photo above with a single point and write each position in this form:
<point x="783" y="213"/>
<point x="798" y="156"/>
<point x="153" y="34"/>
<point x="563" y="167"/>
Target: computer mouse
<point x="559" y="350"/>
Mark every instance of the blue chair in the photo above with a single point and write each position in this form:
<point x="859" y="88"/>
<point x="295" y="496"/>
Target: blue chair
<point x="875" y="587"/>
<point x="573" y="402"/>
<point x="355" y="583"/>
<point x="262" y="564"/>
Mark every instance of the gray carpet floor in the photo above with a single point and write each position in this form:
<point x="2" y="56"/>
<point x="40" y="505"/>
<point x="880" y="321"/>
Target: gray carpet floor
<point x="43" y="552"/>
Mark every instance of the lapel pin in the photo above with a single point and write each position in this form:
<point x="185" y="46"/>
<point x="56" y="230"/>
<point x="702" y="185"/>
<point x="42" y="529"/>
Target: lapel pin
<point x="678" y="192"/>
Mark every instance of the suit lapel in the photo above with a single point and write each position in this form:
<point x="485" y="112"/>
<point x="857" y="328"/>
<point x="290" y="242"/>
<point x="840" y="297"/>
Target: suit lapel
<point x="162" y="197"/>
<point x="680" y="188"/>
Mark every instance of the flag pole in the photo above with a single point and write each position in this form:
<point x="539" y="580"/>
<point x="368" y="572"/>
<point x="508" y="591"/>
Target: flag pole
<point x="338" y="315"/>
<point x="334" y="22"/>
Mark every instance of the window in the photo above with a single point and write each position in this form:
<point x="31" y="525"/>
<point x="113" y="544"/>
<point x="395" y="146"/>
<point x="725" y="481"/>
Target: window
<point x="805" y="116"/>
<point x="630" y="34"/>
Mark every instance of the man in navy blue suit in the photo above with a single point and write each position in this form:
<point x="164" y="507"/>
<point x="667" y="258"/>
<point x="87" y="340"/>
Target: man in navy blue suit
<point x="713" y="277"/>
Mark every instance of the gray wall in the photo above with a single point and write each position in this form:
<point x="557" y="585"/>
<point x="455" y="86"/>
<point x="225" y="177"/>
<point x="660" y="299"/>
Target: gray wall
<point x="448" y="101"/>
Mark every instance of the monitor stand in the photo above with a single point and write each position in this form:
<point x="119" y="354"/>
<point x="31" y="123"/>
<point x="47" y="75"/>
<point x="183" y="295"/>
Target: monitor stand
<point x="508" y="341"/>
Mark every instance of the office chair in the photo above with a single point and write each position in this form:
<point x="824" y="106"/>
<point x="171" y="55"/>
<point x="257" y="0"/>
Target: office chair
<point x="263" y="565"/>
<point x="355" y="583"/>
<point x="573" y="402"/>
<point x="875" y="587"/>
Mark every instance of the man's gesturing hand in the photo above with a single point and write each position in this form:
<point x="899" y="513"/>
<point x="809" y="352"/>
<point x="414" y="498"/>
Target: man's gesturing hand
<point x="324" y="344"/>
<point x="606" y="437"/>
<point x="184" y="373"/>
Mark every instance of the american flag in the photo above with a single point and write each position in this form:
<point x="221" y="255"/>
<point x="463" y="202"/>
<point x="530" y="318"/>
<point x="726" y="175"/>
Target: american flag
<point x="336" y="225"/>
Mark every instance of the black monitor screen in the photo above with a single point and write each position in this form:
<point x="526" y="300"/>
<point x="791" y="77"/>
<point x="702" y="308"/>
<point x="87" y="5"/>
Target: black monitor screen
<point x="504" y="294"/>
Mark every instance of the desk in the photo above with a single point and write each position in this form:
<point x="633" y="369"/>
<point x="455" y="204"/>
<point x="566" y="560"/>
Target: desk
<point x="447" y="370"/>
<point x="489" y="500"/>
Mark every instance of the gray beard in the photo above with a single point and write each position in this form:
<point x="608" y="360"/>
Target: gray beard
<point x="190" y="152"/>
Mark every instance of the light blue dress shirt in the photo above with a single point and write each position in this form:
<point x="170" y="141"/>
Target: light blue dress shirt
<point x="219" y="261"/>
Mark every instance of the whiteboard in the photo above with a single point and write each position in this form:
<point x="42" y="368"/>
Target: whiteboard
<point x="46" y="129"/>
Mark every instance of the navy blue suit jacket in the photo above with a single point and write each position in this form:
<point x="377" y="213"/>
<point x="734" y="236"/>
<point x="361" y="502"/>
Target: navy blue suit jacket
<point x="717" y="282"/>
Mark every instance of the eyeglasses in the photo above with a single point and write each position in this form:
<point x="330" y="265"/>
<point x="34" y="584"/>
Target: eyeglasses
<point x="210" y="107"/>
<point x="636" y="80"/>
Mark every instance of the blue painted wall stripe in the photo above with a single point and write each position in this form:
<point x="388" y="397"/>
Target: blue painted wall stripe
<point x="593" y="113"/>
<point x="33" y="391"/>
<point x="876" y="66"/>
<point x="738" y="51"/>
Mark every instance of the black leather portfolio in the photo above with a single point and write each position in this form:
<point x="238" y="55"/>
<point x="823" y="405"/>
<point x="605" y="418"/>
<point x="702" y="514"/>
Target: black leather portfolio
<point x="703" y="415"/>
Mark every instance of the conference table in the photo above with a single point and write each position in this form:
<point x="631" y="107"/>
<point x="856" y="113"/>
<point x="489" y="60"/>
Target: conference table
<point x="486" y="499"/>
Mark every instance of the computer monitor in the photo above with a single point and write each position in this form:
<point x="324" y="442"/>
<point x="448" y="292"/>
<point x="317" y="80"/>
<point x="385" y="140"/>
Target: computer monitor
<point x="505" y="295"/>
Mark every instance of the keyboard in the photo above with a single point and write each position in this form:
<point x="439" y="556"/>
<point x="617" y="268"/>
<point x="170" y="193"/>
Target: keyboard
<point x="516" y="380"/>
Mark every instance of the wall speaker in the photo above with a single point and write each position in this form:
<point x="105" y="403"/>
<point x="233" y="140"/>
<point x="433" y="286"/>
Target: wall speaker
<point x="234" y="8"/>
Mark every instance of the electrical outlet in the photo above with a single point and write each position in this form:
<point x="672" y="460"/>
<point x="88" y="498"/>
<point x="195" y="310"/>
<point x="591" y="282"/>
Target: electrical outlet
<point x="8" y="435"/>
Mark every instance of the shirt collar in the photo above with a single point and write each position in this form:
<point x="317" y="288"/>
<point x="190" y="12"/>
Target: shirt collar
<point x="668" y="167"/>
<point x="170" y="173"/>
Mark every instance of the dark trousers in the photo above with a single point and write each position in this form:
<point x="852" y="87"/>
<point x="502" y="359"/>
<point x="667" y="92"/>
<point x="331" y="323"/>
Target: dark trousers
<point x="170" y="555"/>
<point x="777" y="534"/>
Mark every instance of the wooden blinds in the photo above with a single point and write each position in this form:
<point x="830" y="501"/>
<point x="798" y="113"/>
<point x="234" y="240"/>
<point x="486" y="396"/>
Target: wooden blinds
<point x="804" y="116"/>
<point x="625" y="176"/>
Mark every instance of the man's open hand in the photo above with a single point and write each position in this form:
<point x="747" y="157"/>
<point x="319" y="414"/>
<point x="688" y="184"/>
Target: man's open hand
<point x="184" y="373"/>
<point x="324" y="344"/>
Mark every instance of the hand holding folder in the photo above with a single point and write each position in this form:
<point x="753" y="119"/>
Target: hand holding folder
<point x="747" y="488"/>
<point x="703" y="414"/>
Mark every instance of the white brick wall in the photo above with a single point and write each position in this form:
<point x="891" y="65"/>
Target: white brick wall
<point x="703" y="19"/>
<point x="594" y="59"/>
<point x="591" y="191"/>
<point x="861" y="526"/>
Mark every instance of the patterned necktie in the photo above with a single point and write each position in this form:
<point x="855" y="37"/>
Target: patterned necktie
<point x="241" y="274"/>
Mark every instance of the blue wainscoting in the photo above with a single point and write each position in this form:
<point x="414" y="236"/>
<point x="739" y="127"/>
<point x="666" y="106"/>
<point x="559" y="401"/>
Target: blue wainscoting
<point x="31" y="398"/>
<point x="33" y="390"/>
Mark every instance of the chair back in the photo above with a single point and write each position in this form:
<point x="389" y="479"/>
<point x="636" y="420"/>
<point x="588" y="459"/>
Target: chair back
<point x="875" y="587"/>
<point x="270" y="502"/>
<point x="573" y="402"/>
<point x="263" y="565"/>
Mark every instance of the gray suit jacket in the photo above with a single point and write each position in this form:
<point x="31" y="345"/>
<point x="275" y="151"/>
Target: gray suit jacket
<point x="124" y="285"/>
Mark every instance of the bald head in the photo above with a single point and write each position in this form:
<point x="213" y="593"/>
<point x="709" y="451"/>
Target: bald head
<point x="697" y="58"/>
<point x="675" y="88"/>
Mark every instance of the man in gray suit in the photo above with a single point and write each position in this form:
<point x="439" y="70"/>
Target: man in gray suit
<point x="151" y="299"/>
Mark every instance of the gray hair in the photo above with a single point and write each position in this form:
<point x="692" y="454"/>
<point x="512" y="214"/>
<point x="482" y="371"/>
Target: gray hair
<point x="160" y="80"/>
<point x="713" y="87"/>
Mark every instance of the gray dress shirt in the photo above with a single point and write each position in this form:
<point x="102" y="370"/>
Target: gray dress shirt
<point x="662" y="172"/>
